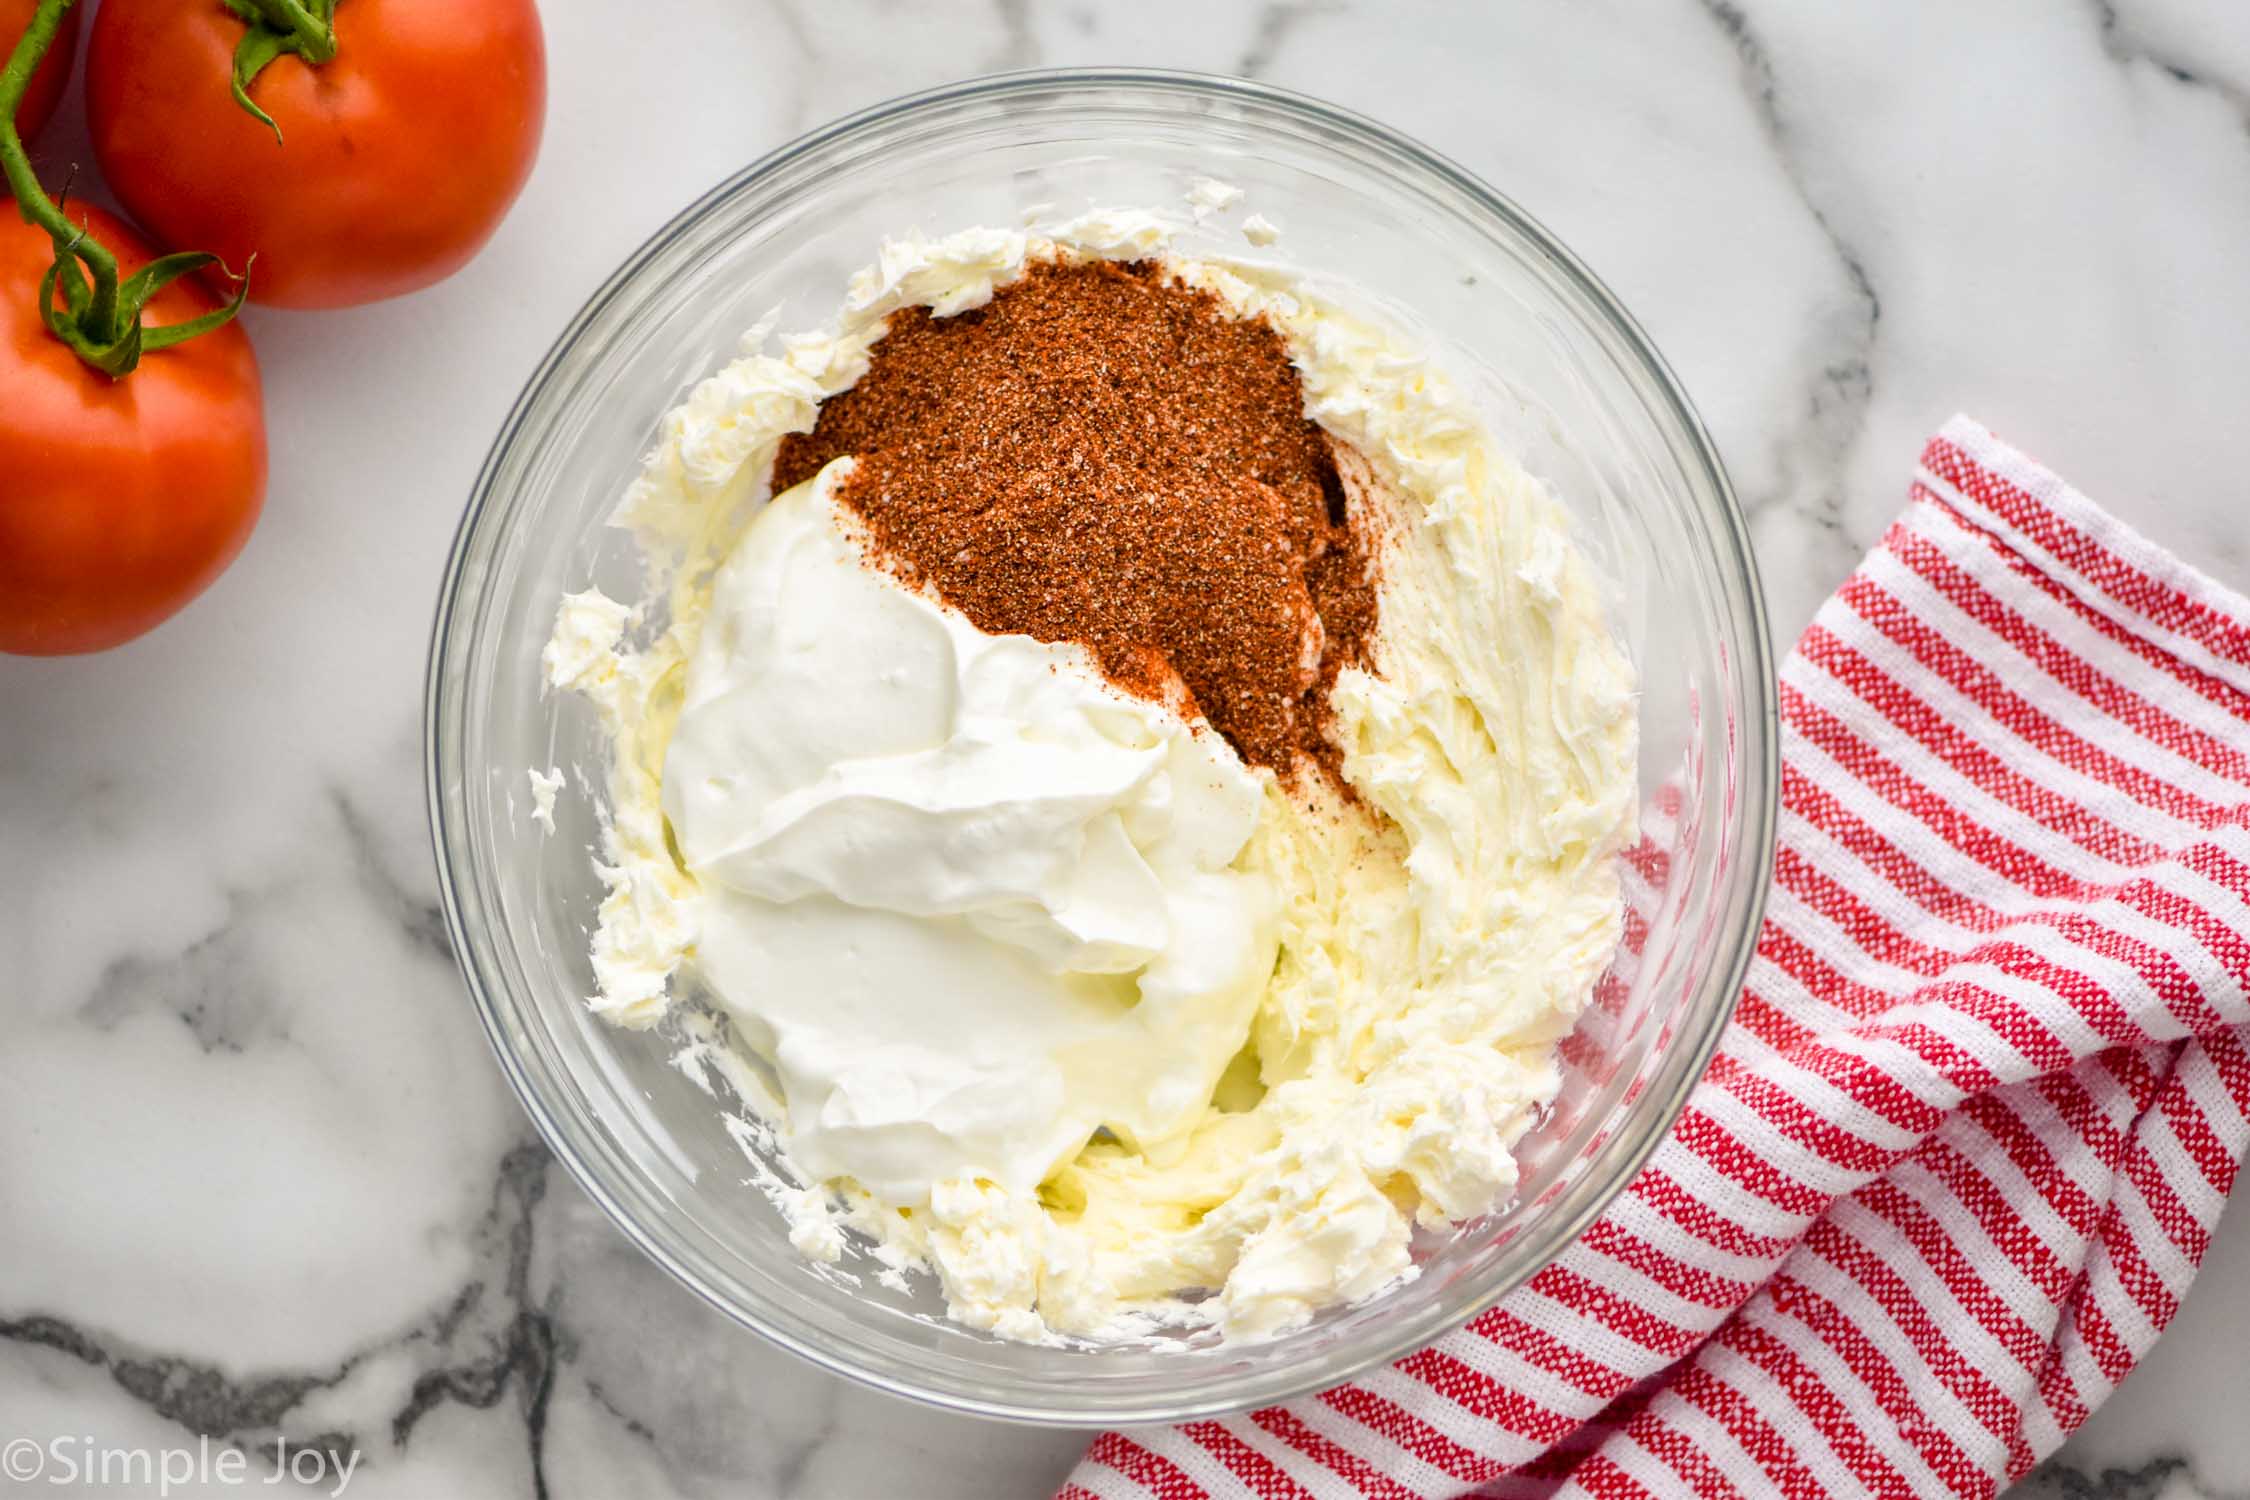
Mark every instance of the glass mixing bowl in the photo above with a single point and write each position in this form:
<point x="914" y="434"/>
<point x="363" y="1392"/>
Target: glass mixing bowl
<point x="1563" y="374"/>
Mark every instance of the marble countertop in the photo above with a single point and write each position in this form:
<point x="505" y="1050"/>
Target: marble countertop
<point x="262" y="1177"/>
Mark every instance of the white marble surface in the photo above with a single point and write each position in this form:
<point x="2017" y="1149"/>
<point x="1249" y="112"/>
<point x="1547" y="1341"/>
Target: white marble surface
<point x="260" y="1177"/>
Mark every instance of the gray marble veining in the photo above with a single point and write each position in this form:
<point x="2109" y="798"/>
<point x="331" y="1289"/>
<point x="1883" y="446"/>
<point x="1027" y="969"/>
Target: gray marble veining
<point x="263" y="1182"/>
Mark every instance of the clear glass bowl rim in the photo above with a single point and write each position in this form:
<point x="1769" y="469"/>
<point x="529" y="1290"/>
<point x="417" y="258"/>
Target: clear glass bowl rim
<point x="1757" y="711"/>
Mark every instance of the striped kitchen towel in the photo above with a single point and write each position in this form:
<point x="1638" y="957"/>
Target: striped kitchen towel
<point x="1988" y="1085"/>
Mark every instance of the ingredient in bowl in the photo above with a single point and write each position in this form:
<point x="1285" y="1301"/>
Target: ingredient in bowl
<point x="406" y="129"/>
<point x="544" y="785"/>
<point x="982" y="899"/>
<point x="1146" y="790"/>
<point x="1099" y="455"/>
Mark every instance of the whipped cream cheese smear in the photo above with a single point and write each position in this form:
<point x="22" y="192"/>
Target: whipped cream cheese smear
<point x="1066" y="1005"/>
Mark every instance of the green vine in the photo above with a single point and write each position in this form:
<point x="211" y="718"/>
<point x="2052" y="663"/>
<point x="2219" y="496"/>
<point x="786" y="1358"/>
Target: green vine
<point x="99" y="316"/>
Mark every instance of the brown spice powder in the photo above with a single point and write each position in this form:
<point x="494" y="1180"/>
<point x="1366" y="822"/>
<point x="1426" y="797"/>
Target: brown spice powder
<point x="1102" y="455"/>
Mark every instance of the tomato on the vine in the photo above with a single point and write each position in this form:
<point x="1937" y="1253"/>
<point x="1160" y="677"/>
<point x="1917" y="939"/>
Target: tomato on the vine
<point x="46" y="87"/>
<point x="119" y="498"/>
<point x="407" y="127"/>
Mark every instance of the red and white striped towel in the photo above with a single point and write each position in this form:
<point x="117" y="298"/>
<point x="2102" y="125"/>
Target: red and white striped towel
<point x="1986" y="1091"/>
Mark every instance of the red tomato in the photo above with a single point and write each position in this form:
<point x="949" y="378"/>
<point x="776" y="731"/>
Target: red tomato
<point x="119" y="499"/>
<point x="46" y="86"/>
<point x="398" y="156"/>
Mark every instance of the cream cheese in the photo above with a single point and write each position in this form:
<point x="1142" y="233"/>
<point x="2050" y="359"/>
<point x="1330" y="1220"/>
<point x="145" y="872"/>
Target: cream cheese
<point x="544" y="785"/>
<point x="1121" y="1019"/>
<point x="1208" y="195"/>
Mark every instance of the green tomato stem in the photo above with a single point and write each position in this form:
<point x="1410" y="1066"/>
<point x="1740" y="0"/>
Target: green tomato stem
<point x="100" y="319"/>
<point x="305" y="28"/>
<point x="31" y="199"/>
